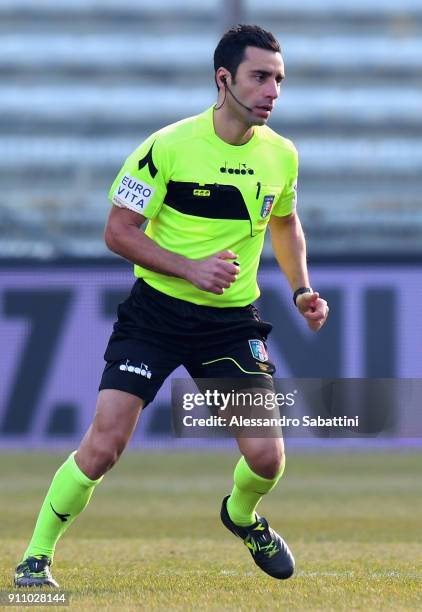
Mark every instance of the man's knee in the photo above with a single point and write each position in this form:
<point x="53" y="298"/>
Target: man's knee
<point x="115" y="419"/>
<point x="97" y="454"/>
<point x="267" y="461"/>
<point x="272" y="463"/>
<point x="106" y="450"/>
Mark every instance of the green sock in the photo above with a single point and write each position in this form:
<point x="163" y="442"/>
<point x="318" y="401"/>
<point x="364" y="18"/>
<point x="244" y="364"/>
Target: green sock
<point x="68" y="495"/>
<point x="247" y="492"/>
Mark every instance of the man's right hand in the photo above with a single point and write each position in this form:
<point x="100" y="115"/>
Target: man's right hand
<point x="214" y="273"/>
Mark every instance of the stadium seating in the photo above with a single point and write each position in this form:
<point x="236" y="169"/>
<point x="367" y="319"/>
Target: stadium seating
<point x="82" y="83"/>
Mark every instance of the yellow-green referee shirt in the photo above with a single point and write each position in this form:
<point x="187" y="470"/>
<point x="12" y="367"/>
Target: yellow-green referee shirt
<point x="203" y="195"/>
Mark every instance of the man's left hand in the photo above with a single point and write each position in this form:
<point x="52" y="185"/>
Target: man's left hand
<point x="313" y="308"/>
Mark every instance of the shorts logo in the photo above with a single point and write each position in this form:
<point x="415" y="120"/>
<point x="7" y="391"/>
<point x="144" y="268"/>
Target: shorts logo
<point x="267" y="205"/>
<point x="142" y="370"/>
<point x="131" y="192"/>
<point x="258" y="350"/>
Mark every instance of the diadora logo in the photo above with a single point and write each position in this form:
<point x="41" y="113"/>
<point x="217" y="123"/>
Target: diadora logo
<point x="62" y="517"/>
<point x="142" y="370"/>
<point x="241" y="169"/>
<point x="202" y="193"/>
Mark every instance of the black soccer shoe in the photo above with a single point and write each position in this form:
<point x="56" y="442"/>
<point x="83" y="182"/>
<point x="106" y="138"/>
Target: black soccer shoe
<point x="35" y="572"/>
<point x="269" y="551"/>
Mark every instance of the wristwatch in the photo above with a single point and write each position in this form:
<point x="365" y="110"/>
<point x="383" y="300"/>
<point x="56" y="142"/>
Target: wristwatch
<point x="301" y="291"/>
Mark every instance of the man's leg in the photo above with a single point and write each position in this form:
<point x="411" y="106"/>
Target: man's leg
<point x="256" y="474"/>
<point x="117" y="413"/>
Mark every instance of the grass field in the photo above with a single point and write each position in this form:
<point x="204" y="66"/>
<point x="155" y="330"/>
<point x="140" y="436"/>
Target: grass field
<point x="151" y="538"/>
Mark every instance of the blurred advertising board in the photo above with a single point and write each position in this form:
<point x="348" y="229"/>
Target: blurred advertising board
<point x="55" y="322"/>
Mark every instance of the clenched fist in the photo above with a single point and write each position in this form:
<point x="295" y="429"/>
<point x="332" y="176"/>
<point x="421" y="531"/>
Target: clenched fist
<point x="214" y="273"/>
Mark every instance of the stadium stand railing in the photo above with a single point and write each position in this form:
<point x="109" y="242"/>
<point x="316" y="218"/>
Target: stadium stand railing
<point x="82" y="83"/>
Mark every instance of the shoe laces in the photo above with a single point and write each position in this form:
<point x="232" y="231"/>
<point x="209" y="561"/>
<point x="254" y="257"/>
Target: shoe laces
<point x="259" y="539"/>
<point x="37" y="565"/>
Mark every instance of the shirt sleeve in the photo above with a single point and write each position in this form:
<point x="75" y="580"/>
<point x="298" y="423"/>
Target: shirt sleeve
<point x="287" y="201"/>
<point x="141" y="184"/>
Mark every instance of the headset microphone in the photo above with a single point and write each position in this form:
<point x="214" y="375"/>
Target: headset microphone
<point x="224" y="80"/>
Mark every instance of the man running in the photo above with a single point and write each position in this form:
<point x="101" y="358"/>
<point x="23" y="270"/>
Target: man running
<point x="209" y="186"/>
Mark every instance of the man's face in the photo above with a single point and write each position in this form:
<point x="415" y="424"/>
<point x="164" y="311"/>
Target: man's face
<point x="257" y="85"/>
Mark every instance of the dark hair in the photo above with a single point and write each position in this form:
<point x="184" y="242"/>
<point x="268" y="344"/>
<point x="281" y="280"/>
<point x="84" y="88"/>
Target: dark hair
<point x="230" y="51"/>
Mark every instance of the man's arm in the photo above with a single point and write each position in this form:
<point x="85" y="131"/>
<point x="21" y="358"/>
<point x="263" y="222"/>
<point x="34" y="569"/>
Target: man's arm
<point x="123" y="236"/>
<point x="289" y="248"/>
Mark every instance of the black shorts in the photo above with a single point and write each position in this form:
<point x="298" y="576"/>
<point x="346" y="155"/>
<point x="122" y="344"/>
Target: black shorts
<point x="156" y="333"/>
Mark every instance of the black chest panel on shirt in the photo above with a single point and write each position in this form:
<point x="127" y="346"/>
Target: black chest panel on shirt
<point x="208" y="201"/>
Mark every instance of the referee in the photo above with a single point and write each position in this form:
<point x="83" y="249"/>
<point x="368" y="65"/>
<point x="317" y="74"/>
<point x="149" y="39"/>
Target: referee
<point x="209" y="186"/>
